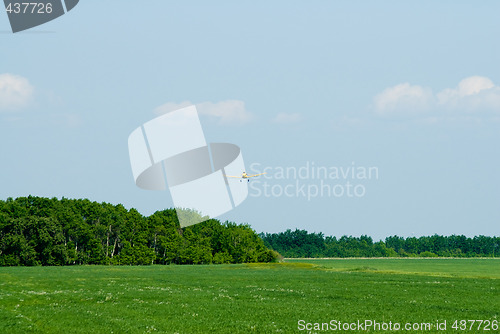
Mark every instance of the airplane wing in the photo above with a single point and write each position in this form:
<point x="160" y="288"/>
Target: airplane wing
<point x="255" y="175"/>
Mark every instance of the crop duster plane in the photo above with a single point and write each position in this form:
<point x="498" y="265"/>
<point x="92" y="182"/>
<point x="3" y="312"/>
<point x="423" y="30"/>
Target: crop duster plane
<point x="245" y="176"/>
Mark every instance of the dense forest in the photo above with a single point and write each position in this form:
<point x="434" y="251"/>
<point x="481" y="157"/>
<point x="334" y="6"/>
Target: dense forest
<point x="42" y="231"/>
<point x="300" y="243"/>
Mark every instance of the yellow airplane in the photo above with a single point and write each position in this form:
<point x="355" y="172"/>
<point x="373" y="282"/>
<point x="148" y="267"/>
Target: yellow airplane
<point x="244" y="176"/>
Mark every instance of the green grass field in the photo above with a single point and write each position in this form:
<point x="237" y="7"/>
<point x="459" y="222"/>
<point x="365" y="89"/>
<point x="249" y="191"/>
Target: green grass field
<point x="256" y="298"/>
<point x="457" y="267"/>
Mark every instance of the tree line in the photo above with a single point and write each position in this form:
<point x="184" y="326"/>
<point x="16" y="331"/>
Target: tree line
<point x="43" y="231"/>
<point x="300" y="243"/>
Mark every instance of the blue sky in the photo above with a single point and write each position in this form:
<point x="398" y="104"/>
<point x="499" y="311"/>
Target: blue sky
<point x="412" y="88"/>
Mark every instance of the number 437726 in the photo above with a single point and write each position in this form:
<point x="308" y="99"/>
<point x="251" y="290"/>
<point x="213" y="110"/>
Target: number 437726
<point x="29" y="8"/>
<point x="475" y="325"/>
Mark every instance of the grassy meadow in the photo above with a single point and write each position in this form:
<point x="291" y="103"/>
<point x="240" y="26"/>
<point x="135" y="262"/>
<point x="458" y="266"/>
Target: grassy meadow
<point x="247" y="298"/>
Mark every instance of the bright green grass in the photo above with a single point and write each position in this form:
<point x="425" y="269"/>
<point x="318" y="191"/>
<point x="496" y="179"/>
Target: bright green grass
<point x="261" y="298"/>
<point x="474" y="268"/>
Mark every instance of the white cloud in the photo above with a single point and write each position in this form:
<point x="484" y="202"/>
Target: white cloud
<point x="15" y="92"/>
<point x="285" y="118"/>
<point x="227" y="112"/>
<point x="403" y="97"/>
<point x="473" y="94"/>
